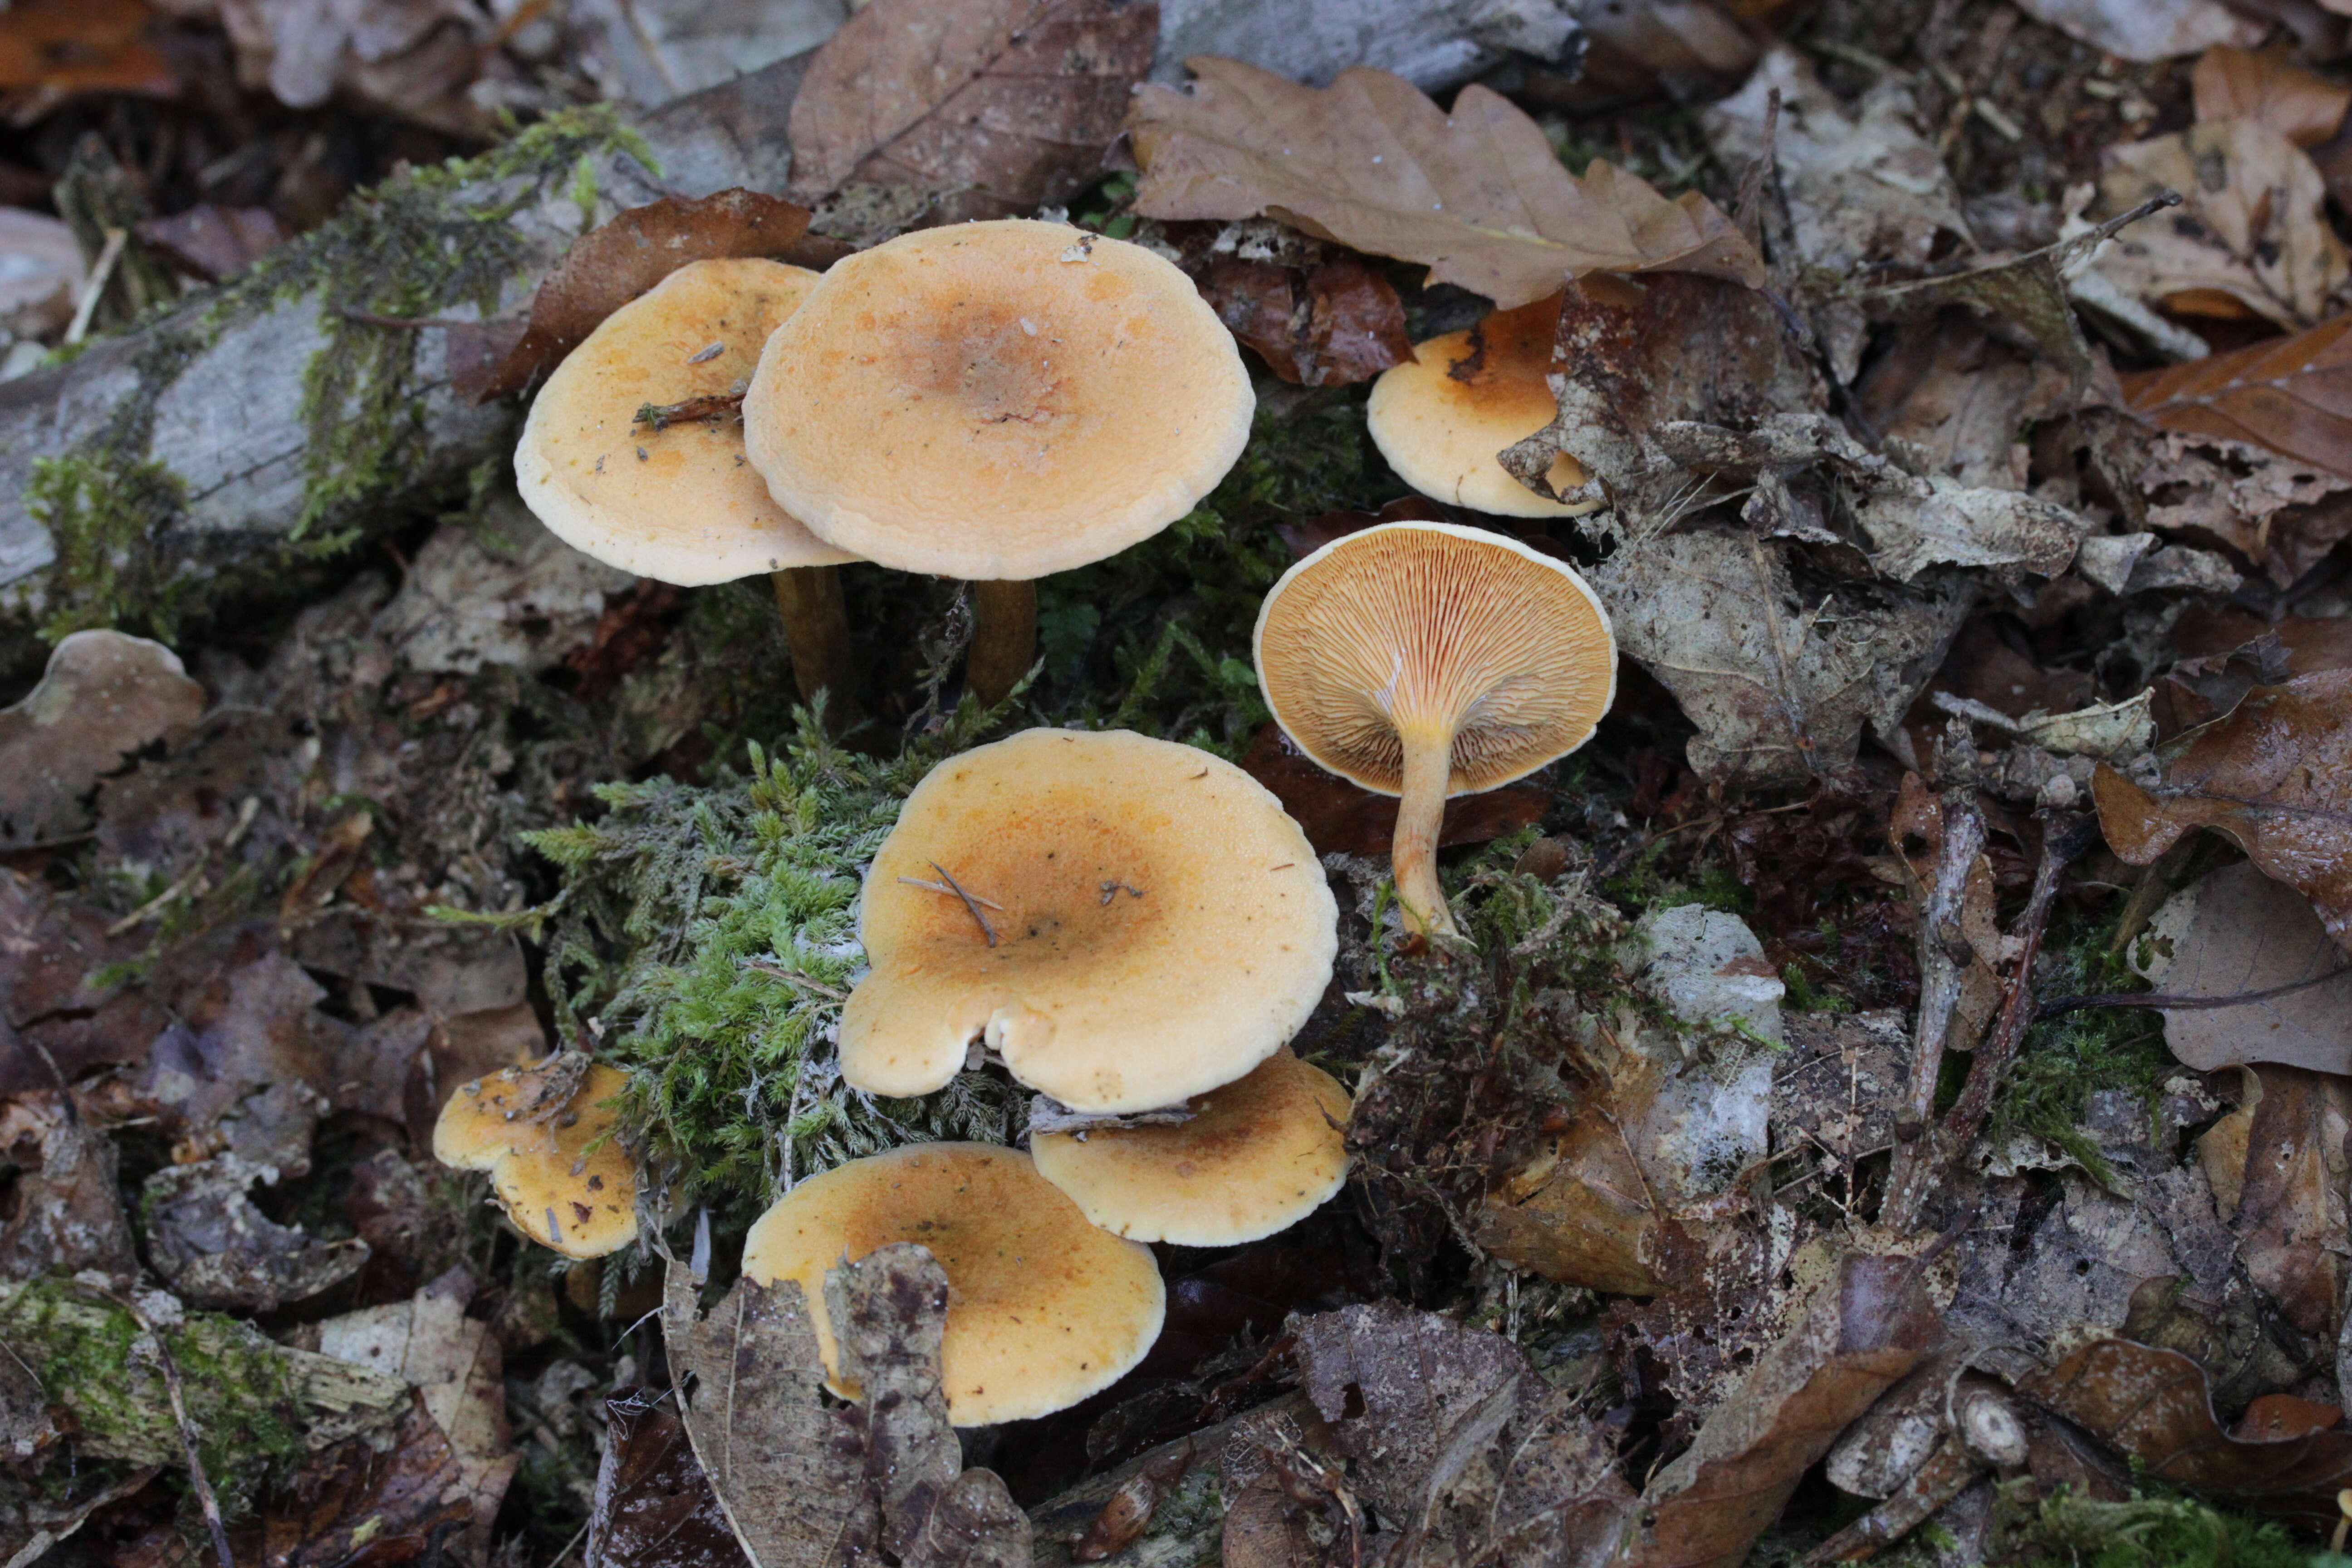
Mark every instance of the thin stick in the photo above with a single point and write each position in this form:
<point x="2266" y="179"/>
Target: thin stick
<point x="942" y="888"/>
<point x="110" y="253"/>
<point x="2182" y="1004"/>
<point x="1943" y="955"/>
<point x="202" y="1484"/>
<point x="805" y="982"/>
<point x="968" y="903"/>
<point x="710" y="406"/>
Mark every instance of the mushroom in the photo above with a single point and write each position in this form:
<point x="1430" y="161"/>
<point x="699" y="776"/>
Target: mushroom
<point x="1043" y="1308"/>
<point x="558" y="1169"/>
<point x="1425" y="659"/>
<point x="997" y="401"/>
<point x="1258" y="1155"/>
<point x="679" y="502"/>
<point x="1439" y="417"/>
<point x="1060" y="898"/>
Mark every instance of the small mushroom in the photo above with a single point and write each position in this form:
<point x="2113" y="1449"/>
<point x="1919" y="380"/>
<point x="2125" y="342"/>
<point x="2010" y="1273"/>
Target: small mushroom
<point x="997" y="401"/>
<point x="559" y="1171"/>
<point x="1439" y="417"/>
<point x="1424" y="660"/>
<point x="1127" y="921"/>
<point x="1043" y="1308"/>
<point x="1259" y="1154"/>
<point x="682" y="504"/>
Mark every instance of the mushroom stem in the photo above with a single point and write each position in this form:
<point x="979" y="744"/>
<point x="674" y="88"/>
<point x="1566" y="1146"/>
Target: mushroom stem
<point x="817" y="631"/>
<point x="1003" y="638"/>
<point x="1420" y="815"/>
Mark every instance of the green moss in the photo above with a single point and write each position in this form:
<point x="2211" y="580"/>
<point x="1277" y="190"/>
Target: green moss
<point x="2152" y="1531"/>
<point x="2066" y="1058"/>
<point x="98" y="514"/>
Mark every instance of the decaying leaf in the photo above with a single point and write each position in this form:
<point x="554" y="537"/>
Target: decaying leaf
<point x="2274" y="775"/>
<point x="2250" y="237"/>
<point x="2277" y="1164"/>
<point x="1779" y="686"/>
<point x="103" y="697"/>
<point x="2235" y="932"/>
<point x="2281" y="513"/>
<point x="654" y="1507"/>
<point x="2286" y="394"/>
<point x="1870" y="1324"/>
<point x="51" y="48"/>
<point x="1347" y="819"/>
<point x="619" y="260"/>
<point x="67" y="1207"/>
<point x="2154" y="1406"/>
<point x="498" y="589"/>
<point x="1014" y="100"/>
<point x="206" y="1238"/>
<point x="2266" y="87"/>
<point x="1478" y="196"/>
<point x="1337" y="322"/>
<point x="2149" y="29"/>
<point x="408" y="1502"/>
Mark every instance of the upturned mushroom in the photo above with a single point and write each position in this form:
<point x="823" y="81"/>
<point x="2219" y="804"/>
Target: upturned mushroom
<point x="1043" y="1308"/>
<point x="1441" y="417"/>
<point x="1258" y="1155"/>
<point x="676" y="500"/>
<point x="1058" y="898"/>
<point x="995" y="402"/>
<point x="559" y="1171"/>
<point x="1425" y="659"/>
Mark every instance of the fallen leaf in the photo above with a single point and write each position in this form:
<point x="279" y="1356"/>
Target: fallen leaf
<point x="103" y="697"/>
<point x="1478" y="197"/>
<point x="58" y="47"/>
<point x="361" y="1502"/>
<point x="1339" y="817"/>
<point x="2239" y="84"/>
<point x="1868" y="1326"/>
<point x="1950" y="400"/>
<point x="2281" y="514"/>
<point x="653" y="53"/>
<point x="620" y="259"/>
<point x="45" y="273"/>
<point x="1015" y="100"/>
<point x="1265" y="1527"/>
<point x="1864" y="189"/>
<point x="2286" y="394"/>
<point x="498" y="589"/>
<point x="210" y="243"/>
<point x="66" y="1209"/>
<point x="1337" y="323"/>
<point x="2154" y="1406"/>
<point x="216" y="1250"/>
<point x="2250" y="239"/>
<point x="2275" y="1417"/>
<point x="2234" y="932"/>
<point x="60" y="1008"/>
<point x="2277" y="1166"/>
<point x="1781" y="687"/>
<point x="2275" y="776"/>
<point x="2148" y="30"/>
<point x="654" y="1507"/>
<point x="242" y="1029"/>
<point x="1834" y="1094"/>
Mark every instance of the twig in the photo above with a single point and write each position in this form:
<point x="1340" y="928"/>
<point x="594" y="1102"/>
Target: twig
<point x="805" y="982"/>
<point x="197" y="1480"/>
<point x="968" y="903"/>
<point x="1944" y="952"/>
<point x="712" y="406"/>
<point x="110" y="253"/>
<point x="2066" y="835"/>
<point x="951" y="892"/>
<point x="245" y="814"/>
<point x="2181" y="1003"/>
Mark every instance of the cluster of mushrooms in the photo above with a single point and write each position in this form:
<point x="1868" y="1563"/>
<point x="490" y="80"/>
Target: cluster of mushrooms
<point x="1132" y="927"/>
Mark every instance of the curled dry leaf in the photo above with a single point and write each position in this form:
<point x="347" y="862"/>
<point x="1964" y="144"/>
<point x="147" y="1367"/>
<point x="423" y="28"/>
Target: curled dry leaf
<point x="2291" y="394"/>
<point x="2276" y="1165"/>
<point x="619" y="260"/>
<point x="2154" y="1406"/>
<point x="1013" y="99"/>
<point x="366" y="1503"/>
<point x="654" y="1507"/>
<point x="2281" y="513"/>
<point x="103" y="697"/>
<point x="2240" y="84"/>
<point x="2235" y="932"/>
<point x="2274" y="775"/>
<point x="215" y="1248"/>
<point x="1336" y="323"/>
<point x="1478" y="197"/>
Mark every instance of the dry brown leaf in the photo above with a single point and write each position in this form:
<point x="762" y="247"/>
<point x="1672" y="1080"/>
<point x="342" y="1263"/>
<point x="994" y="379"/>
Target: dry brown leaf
<point x="1337" y="323"/>
<point x="654" y="1507"/>
<point x="619" y="260"/>
<point x="366" y="1503"/>
<point x="1868" y="1326"/>
<point x="2239" y="84"/>
<point x="57" y="48"/>
<point x="2291" y="394"/>
<point x="2277" y="1167"/>
<point x="2249" y="239"/>
<point x="2235" y="932"/>
<point x="1478" y="197"/>
<point x="103" y="697"/>
<point x="1016" y="100"/>
<point x="2274" y="775"/>
<point x="2154" y="1406"/>
<point x="2147" y="29"/>
<point x="1577" y="1212"/>
<point x="2282" y="514"/>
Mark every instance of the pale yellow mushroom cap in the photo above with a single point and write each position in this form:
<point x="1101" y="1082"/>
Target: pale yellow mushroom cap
<point x="1043" y="1308"/>
<point x="997" y="400"/>
<point x="1441" y="417"/>
<point x="1434" y="624"/>
<point x="1161" y="925"/>
<point x="1260" y="1155"/>
<point x="681" y="505"/>
<point x="540" y="1163"/>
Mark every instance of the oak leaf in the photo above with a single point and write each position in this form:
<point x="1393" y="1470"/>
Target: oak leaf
<point x="2241" y="84"/>
<point x="1477" y="197"/>
<point x="2291" y="394"/>
<point x="1014" y="99"/>
<point x="2274" y="775"/>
